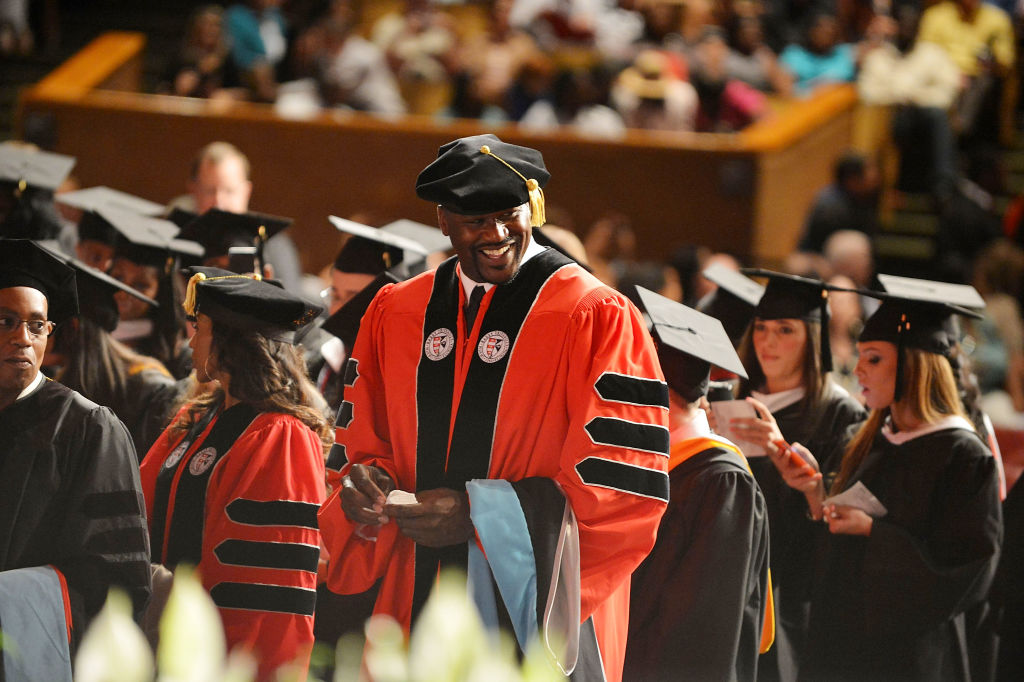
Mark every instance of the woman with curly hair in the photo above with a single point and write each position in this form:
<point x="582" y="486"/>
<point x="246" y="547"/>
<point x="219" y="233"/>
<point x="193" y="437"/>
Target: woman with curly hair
<point x="892" y="585"/>
<point x="234" y="483"/>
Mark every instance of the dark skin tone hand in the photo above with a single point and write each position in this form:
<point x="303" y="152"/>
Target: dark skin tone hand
<point x="439" y="518"/>
<point x="364" y="492"/>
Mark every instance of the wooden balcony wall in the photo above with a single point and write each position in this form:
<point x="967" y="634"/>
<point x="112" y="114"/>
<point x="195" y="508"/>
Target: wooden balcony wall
<point x="747" y="193"/>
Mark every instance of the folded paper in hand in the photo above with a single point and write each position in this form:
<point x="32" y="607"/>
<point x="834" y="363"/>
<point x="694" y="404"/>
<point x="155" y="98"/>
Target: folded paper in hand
<point x="726" y="410"/>
<point x="859" y="497"/>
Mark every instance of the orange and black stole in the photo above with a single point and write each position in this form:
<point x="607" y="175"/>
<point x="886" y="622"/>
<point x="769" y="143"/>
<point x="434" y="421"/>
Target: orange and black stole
<point x="446" y="460"/>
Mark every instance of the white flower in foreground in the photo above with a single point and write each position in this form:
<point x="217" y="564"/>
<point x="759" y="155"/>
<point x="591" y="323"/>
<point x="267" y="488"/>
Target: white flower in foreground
<point x="114" y="648"/>
<point x="192" y="647"/>
<point x="449" y="636"/>
<point x="385" y="650"/>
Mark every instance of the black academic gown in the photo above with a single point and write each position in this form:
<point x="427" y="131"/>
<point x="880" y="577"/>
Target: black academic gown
<point x="824" y="432"/>
<point x="696" y="604"/>
<point x="70" y="496"/>
<point x="890" y="606"/>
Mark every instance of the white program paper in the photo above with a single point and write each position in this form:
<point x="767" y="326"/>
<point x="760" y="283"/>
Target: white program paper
<point x="726" y="410"/>
<point x="401" y="497"/>
<point x="859" y="497"/>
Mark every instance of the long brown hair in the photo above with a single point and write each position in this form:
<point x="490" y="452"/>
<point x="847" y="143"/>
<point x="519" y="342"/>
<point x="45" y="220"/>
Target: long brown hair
<point x="813" y="380"/>
<point x="265" y="373"/>
<point x="930" y="393"/>
<point x="96" y="364"/>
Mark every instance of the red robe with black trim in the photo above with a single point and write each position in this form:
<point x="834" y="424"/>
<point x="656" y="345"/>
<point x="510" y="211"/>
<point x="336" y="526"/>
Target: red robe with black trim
<point x="254" y="530"/>
<point x="576" y="395"/>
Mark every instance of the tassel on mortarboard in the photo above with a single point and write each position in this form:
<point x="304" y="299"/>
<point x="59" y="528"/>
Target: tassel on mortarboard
<point x="189" y="304"/>
<point x="826" y="345"/>
<point x="537" y="213"/>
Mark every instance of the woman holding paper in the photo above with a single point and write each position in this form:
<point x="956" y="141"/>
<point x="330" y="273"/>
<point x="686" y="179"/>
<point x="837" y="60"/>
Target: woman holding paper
<point x="892" y="581"/>
<point x="790" y="398"/>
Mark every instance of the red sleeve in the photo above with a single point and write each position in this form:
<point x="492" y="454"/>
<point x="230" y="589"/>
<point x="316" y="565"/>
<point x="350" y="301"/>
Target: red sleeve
<point x="615" y="457"/>
<point x="366" y="440"/>
<point x="260" y="541"/>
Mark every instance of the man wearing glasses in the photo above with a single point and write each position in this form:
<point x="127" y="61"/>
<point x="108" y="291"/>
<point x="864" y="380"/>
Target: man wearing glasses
<point x="72" y="521"/>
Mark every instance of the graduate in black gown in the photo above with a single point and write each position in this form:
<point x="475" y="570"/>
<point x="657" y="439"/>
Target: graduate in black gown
<point x="787" y="356"/>
<point x="891" y="586"/>
<point x="70" y="496"/>
<point x="138" y="388"/>
<point x="700" y="604"/>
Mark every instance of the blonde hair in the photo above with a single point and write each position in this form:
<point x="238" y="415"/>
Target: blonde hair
<point x="929" y="392"/>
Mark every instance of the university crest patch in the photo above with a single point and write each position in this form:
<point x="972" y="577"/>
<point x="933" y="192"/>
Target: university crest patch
<point x="493" y="346"/>
<point x="439" y="344"/>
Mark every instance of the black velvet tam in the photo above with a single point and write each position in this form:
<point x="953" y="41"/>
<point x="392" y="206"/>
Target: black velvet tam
<point x="243" y="302"/>
<point x="468" y="181"/>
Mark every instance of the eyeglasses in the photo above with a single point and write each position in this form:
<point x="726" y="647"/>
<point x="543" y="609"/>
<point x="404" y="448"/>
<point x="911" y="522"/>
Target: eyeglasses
<point x="36" y="328"/>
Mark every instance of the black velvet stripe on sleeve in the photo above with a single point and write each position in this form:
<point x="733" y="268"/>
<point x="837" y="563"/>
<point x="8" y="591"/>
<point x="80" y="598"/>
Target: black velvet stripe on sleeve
<point x="275" y="598"/>
<point x="624" y="477"/>
<point x="337" y="457"/>
<point x="344" y="415"/>
<point x="351" y="372"/>
<point x="622" y="388"/>
<point x="282" y="555"/>
<point x="273" y="513"/>
<point x="620" y="433"/>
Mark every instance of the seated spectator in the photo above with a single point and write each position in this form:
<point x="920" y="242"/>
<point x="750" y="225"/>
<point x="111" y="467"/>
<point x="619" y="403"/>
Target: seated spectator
<point x="821" y="58"/>
<point x="979" y="38"/>
<point x="609" y="240"/>
<point x="753" y="62"/>
<point x="419" y="43"/>
<point x="578" y="100"/>
<point x="354" y="73"/>
<point x="726" y="104"/>
<point x="651" y="97"/>
<point x="849" y="203"/>
<point x="489" y="67"/>
<point x="848" y="254"/>
<point x="203" y="67"/>
<point x="258" y="37"/>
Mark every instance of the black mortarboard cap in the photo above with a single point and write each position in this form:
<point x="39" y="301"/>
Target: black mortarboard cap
<point x="345" y="321"/>
<point x="734" y="300"/>
<point x="689" y="342"/>
<point x="146" y="240"/>
<point x="244" y="302"/>
<point x="481" y="174"/>
<point x="917" y="313"/>
<point x="371" y="250"/>
<point x="96" y="290"/>
<point x="26" y="264"/>
<point x="92" y="225"/>
<point x="794" y="297"/>
<point x="92" y="198"/>
<point x="24" y="168"/>
<point x="219" y="230"/>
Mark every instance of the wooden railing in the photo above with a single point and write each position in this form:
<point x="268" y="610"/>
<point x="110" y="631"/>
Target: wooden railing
<point x="746" y="192"/>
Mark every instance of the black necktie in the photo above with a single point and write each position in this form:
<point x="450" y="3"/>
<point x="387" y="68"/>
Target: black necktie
<point x="473" y="307"/>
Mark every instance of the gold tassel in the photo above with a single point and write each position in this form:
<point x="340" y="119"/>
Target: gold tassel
<point x="537" y="215"/>
<point x="189" y="304"/>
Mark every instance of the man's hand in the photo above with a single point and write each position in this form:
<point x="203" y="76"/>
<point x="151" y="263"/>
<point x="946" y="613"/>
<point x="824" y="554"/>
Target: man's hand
<point x="438" y="519"/>
<point x="363" y="494"/>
